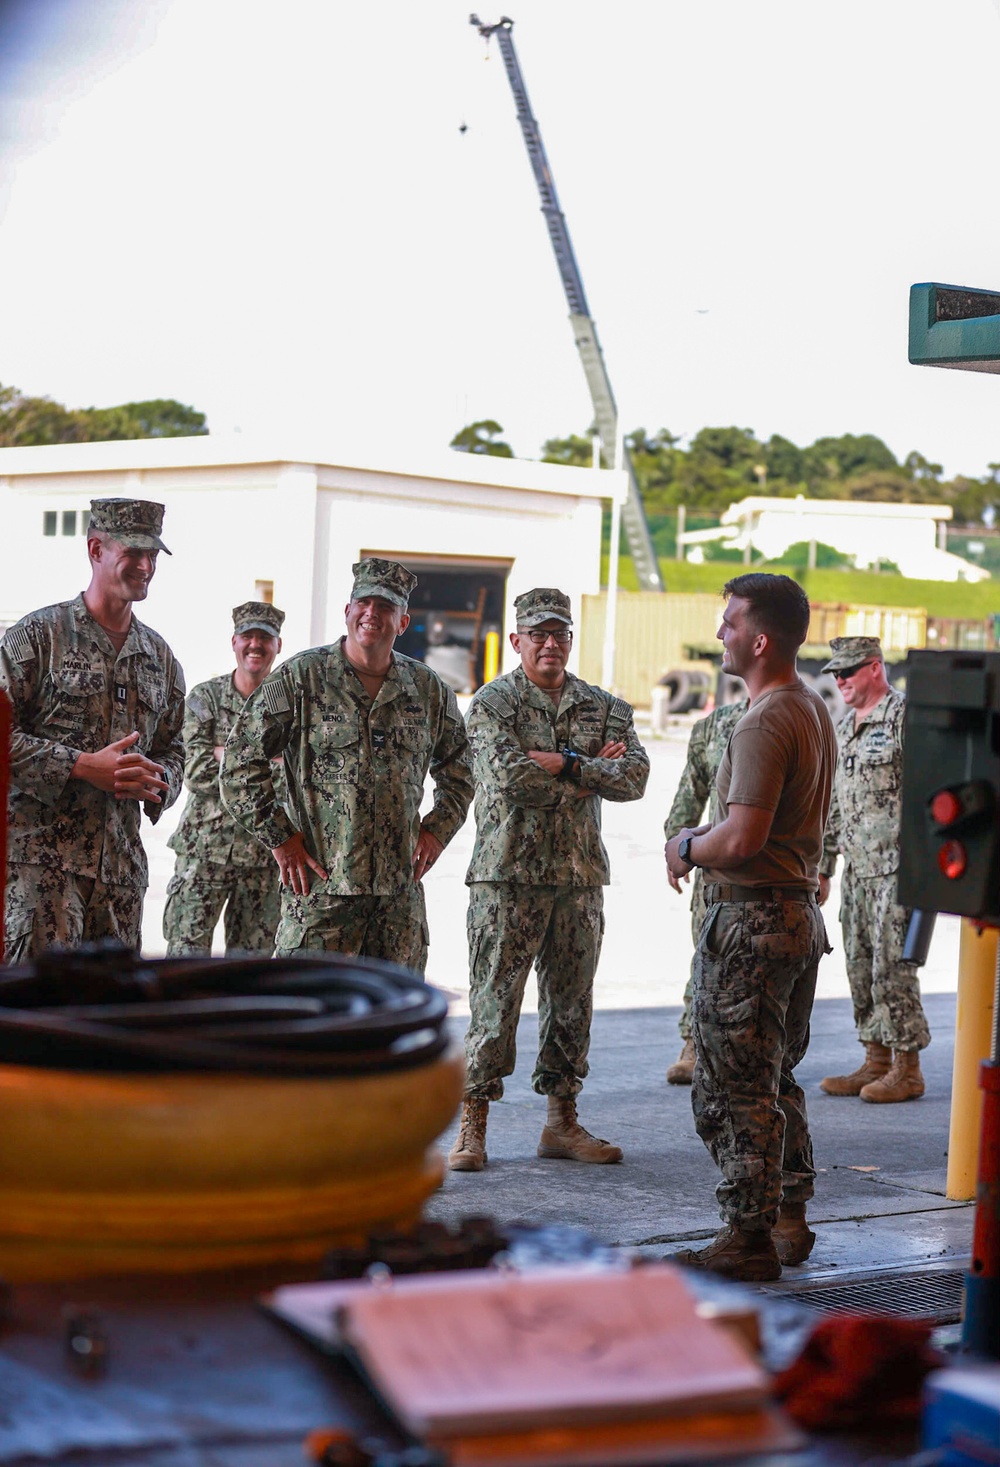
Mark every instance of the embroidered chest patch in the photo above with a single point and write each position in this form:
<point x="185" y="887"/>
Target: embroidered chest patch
<point x="878" y="739"/>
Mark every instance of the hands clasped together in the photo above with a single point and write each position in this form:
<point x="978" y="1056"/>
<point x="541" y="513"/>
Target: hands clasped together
<point x="123" y="771"/>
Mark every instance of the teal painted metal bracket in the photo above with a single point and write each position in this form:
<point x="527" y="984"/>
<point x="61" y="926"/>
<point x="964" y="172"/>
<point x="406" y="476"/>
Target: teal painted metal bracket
<point x="955" y="326"/>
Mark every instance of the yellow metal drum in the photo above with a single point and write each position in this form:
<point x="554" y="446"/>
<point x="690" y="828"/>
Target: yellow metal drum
<point x="116" y="1173"/>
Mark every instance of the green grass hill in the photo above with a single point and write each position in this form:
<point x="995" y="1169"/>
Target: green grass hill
<point x="938" y="598"/>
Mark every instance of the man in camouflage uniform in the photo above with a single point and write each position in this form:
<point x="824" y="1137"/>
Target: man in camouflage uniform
<point x="706" y="746"/>
<point x="218" y="864"/>
<point x="864" y="826"/>
<point x="358" y="726"/>
<point x="547" y="748"/>
<point x="759" y="947"/>
<point x="98" y="702"/>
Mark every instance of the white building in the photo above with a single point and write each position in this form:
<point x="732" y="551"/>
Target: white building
<point x="251" y="520"/>
<point x="911" y="535"/>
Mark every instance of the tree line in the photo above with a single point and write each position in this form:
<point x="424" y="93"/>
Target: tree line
<point x="721" y="465"/>
<point x="28" y="421"/>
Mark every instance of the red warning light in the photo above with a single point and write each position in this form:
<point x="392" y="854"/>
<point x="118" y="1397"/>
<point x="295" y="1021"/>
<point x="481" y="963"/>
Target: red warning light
<point x="952" y="859"/>
<point x="946" y="807"/>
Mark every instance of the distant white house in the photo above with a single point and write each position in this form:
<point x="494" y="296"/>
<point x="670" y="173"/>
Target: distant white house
<point x="265" y="520"/>
<point x="911" y="535"/>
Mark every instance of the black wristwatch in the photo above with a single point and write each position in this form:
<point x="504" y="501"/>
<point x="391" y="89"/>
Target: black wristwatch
<point x="571" y="765"/>
<point x="684" y="851"/>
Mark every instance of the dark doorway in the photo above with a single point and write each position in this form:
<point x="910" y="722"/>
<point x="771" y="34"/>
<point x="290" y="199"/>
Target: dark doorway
<point x="456" y="616"/>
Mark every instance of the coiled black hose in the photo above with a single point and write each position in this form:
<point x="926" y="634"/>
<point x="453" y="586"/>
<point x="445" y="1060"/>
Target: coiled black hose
<point x="103" y="1008"/>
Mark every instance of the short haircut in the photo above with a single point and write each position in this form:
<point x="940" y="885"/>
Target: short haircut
<point x="778" y="607"/>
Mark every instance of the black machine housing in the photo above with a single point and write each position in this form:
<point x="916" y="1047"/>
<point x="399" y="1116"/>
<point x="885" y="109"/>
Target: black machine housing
<point x="952" y="745"/>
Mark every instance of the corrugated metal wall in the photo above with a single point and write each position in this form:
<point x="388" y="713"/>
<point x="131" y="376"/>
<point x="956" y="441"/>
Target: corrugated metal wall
<point x="899" y="627"/>
<point x="967" y="635"/>
<point x="653" y="630"/>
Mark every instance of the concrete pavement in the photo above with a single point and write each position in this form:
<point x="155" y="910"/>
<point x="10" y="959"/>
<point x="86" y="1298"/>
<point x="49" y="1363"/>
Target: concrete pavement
<point x="880" y="1187"/>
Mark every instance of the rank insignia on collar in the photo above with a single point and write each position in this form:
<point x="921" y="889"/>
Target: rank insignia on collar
<point x="121" y="693"/>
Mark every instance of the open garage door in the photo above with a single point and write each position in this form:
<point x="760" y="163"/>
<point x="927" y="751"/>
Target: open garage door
<point x="456" y="615"/>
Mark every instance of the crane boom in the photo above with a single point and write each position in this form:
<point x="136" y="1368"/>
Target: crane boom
<point x="584" y="329"/>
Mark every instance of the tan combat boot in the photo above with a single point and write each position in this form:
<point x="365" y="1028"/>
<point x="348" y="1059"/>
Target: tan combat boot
<point x="902" y="1082"/>
<point x="469" y="1151"/>
<point x="751" y="1256"/>
<point x="564" y="1139"/>
<point x="878" y="1058"/>
<point x="681" y="1072"/>
<point x="792" y="1238"/>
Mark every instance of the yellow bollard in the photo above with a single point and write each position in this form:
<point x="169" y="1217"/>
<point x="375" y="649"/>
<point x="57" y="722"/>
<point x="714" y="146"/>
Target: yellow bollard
<point x="491" y="656"/>
<point x="977" y="961"/>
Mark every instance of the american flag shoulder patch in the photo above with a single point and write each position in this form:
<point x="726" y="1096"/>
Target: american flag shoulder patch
<point x="275" y="697"/>
<point x="18" y="645"/>
<point x="620" y="710"/>
<point x="496" y="701"/>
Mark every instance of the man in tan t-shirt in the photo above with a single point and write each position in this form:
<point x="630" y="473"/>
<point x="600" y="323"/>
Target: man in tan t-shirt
<point x="759" y="950"/>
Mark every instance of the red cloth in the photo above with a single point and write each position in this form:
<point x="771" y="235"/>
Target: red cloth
<point x="858" y="1369"/>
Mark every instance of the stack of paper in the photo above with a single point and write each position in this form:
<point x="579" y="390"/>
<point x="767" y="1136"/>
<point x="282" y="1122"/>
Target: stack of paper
<point x="557" y="1367"/>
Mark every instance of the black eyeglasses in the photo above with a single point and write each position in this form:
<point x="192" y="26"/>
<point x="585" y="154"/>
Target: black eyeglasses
<point x="561" y="638"/>
<point x="843" y="673"/>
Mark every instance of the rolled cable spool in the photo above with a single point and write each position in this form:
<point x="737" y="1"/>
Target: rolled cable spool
<point x="199" y="1113"/>
<point x="257" y="1015"/>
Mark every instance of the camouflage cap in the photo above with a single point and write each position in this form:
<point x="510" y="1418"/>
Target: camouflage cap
<point x="385" y="578"/>
<point x="851" y="652"/>
<point x="545" y="603"/>
<point x="258" y="616"/>
<point x="133" y="522"/>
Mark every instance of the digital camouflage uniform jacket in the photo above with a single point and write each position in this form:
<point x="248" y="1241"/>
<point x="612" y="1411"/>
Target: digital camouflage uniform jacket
<point x="708" y="742"/>
<point x="865" y="810"/>
<point x="355" y="770"/>
<point x="530" y="827"/>
<point x="72" y="694"/>
<point x="206" y="832"/>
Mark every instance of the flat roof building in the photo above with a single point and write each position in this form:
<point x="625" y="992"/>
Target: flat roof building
<point x="912" y="536"/>
<point x="259" y="519"/>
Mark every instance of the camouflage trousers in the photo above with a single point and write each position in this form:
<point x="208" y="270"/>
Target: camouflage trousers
<point x="197" y="893"/>
<point x="389" y="927"/>
<point x="698" y="910"/>
<point x="885" y="990"/>
<point x="510" y="926"/>
<point x="754" y="980"/>
<point x="47" y="908"/>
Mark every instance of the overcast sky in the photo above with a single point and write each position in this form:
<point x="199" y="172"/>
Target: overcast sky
<point x="270" y="212"/>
